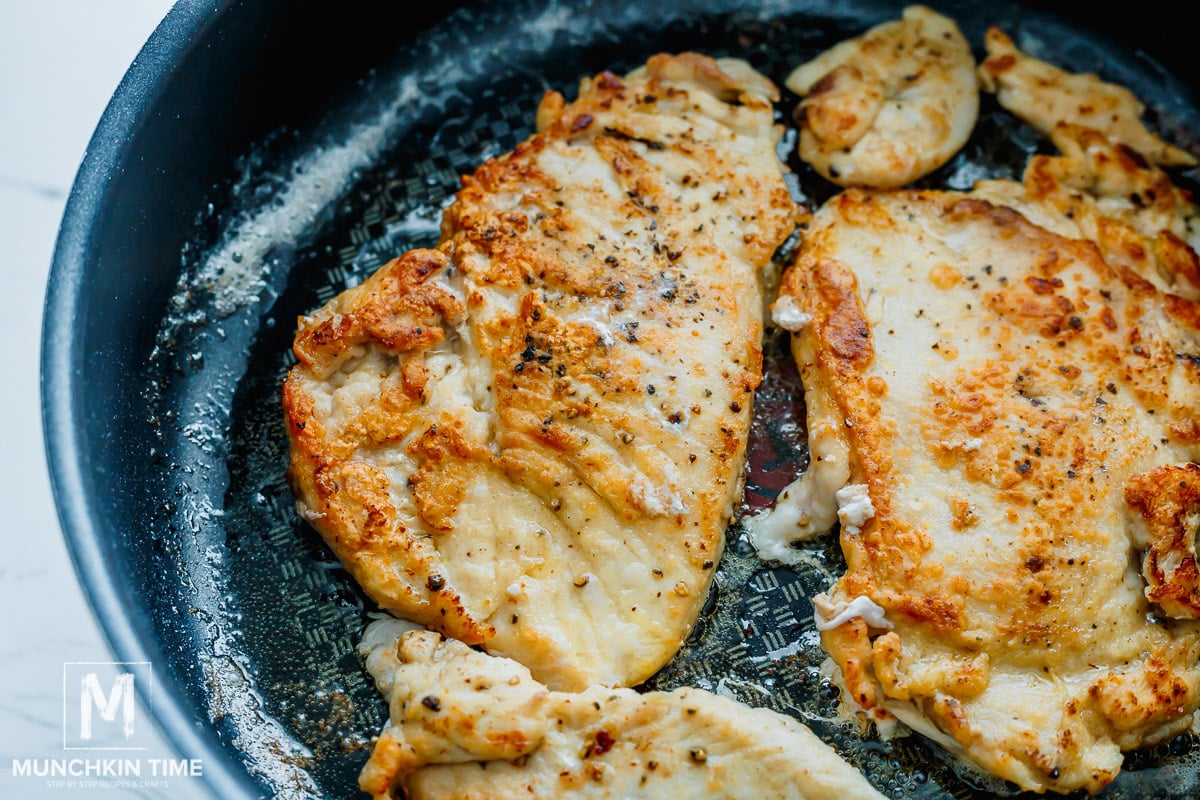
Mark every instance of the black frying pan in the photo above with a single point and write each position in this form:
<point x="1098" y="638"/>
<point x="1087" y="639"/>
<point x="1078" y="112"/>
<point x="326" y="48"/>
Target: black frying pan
<point x="261" y="156"/>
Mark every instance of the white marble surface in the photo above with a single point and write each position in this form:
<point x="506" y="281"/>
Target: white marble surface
<point x="60" y="61"/>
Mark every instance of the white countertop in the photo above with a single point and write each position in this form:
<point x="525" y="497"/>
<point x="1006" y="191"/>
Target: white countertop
<point x="60" y="61"/>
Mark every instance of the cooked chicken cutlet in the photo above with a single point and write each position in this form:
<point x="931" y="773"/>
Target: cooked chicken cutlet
<point x="464" y="724"/>
<point x="890" y="106"/>
<point x="1008" y="382"/>
<point x="1045" y="96"/>
<point x="532" y="437"/>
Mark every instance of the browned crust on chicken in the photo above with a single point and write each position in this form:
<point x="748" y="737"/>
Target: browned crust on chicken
<point x="1168" y="499"/>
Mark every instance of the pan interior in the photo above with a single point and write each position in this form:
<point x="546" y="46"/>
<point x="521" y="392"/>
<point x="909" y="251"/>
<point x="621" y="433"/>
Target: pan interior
<point x="254" y="613"/>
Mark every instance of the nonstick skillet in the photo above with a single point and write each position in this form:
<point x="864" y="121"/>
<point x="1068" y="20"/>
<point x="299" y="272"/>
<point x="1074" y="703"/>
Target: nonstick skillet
<point x="258" y="158"/>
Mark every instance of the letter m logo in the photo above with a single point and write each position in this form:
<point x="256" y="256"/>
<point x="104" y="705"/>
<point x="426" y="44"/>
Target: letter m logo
<point x="101" y="705"/>
<point x="92" y="696"/>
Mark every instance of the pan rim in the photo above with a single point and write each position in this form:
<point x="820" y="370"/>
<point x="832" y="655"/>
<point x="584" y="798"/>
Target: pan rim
<point x="63" y="431"/>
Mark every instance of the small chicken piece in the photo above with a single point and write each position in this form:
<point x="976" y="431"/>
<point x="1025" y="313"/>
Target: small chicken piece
<point x="1167" y="501"/>
<point x="533" y="436"/>
<point x="890" y="106"/>
<point x="1044" y="95"/>
<point x="1015" y="399"/>
<point x="1123" y="185"/>
<point x="464" y="724"/>
<point x="1106" y="191"/>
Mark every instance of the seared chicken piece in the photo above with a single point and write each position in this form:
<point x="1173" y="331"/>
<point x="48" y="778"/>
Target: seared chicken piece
<point x="1016" y="405"/>
<point x="464" y="724"/>
<point x="1168" y="501"/>
<point x="888" y="107"/>
<point x="1109" y="194"/>
<point x="1044" y="96"/>
<point x="532" y="437"/>
<point x="1118" y="182"/>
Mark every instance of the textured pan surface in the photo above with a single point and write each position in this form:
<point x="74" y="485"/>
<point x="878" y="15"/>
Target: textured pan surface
<point x="260" y="620"/>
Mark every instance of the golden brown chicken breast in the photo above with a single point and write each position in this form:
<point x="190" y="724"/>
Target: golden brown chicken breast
<point x="1007" y="384"/>
<point x="532" y="437"/>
